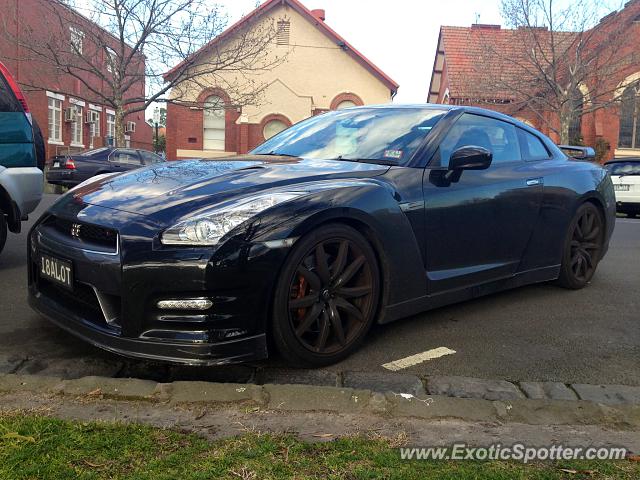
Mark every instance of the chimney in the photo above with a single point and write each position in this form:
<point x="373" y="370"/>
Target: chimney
<point x="319" y="13"/>
<point x="485" y="26"/>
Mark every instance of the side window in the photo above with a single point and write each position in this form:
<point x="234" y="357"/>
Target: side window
<point x="149" y="158"/>
<point x="127" y="157"/>
<point x="532" y="146"/>
<point x="8" y="102"/>
<point x="499" y="137"/>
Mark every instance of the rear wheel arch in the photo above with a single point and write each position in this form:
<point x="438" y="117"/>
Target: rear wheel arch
<point x="596" y="201"/>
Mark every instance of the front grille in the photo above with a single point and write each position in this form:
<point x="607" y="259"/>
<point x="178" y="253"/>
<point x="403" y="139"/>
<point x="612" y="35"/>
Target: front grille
<point x="94" y="234"/>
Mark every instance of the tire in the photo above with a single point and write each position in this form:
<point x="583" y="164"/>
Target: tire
<point x="323" y="310"/>
<point x="582" y="247"/>
<point x="3" y="230"/>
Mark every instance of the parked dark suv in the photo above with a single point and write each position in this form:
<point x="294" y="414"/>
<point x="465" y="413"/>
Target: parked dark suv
<point x="72" y="169"/>
<point x="21" y="183"/>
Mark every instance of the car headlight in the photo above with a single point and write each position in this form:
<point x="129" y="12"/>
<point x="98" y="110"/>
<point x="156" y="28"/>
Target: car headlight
<point x="209" y="228"/>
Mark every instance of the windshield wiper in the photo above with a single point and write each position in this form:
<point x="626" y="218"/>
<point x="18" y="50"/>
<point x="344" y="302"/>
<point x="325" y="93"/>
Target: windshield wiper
<point x="273" y="153"/>
<point x="366" y="160"/>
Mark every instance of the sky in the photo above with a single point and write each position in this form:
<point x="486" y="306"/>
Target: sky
<point x="399" y="36"/>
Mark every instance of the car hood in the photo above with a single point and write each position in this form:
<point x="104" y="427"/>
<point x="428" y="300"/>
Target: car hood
<point x="172" y="184"/>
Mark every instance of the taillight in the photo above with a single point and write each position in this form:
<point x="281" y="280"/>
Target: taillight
<point x="70" y="164"/>
<point x="16" y="91"/>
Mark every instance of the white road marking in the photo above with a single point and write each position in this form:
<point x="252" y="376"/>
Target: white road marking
<point x="418" y="358"/>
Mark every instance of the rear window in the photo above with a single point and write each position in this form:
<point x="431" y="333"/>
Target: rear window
<point x="97" y="151"/>
<point x="8" y="101"/>
<point x="623" y="168"/>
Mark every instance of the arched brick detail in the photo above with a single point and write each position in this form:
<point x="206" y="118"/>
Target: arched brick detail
<point x="344" y="97"/>
<point x="218" y="92"/>
<point x="271" y="117"/>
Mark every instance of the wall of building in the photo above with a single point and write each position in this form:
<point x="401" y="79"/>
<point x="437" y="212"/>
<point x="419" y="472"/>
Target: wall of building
<point x="33" y="18"/>
<point x="315" y="74"/>
<point x="601" y="125"/>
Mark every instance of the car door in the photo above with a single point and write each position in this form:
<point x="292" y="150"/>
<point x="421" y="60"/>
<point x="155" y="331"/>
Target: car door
<point x="126" y="159"/>
<point x="478" y="222"/>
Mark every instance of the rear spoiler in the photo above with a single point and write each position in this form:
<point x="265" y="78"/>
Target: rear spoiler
<point x="579" y="153"/>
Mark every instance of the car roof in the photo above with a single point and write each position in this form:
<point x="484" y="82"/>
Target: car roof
<point x="436" y="106"/>
<point x="623" y="160"/>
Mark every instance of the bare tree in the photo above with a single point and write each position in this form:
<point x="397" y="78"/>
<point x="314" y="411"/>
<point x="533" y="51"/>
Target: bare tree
<point x="140" y="41"/>
<point x="557" y="63"/>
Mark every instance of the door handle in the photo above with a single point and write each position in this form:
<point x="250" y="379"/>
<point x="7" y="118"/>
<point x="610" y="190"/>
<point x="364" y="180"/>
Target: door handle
<point x="532" y="182"/>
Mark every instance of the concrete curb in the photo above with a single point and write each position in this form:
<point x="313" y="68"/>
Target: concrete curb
<point x="622" y="410"/>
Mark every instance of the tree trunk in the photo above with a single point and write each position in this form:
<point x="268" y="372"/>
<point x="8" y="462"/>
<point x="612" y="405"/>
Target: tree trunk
<point x="120" y="125"/>
<point x="566" y="118"/>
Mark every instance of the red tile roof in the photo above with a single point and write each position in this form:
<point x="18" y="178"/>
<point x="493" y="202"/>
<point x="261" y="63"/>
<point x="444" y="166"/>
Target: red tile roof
<point x="481" y="58"/>
<point x="322" y="26"/>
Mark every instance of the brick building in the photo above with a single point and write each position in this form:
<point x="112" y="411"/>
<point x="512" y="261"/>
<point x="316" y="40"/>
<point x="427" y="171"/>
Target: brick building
<point x="321" y="72"/>
<point x="461" y="68"/>
<point x="70" y="116"/>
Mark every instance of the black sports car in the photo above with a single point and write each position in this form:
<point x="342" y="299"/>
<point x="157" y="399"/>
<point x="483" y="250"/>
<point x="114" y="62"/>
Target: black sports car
<point x="72" y="169"/>
<point x="357" y="216"/>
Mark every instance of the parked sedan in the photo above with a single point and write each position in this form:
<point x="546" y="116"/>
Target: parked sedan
<point x="353" y="217"/>
<point x="625" y="174"/>
<point x="73" y="169"/>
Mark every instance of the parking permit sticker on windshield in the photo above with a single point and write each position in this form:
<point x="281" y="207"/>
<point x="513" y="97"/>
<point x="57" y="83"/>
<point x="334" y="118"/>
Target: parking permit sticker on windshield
<point x="395" y="154"/>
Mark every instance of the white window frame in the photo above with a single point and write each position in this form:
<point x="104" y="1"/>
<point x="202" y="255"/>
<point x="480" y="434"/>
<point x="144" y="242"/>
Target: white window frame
<point x="76" y="40"/>
<point x="94" y="128"/>
<point x="111" y="57"/>
<point x="111" y="124"/>
<point x="76" y="128"/>
<point x="54" y="109"/>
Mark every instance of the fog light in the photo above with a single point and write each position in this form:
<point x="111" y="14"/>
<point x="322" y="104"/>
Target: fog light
<point x="186" y="304"/>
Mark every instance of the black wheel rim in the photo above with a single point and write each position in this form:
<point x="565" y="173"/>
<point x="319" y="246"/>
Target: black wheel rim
<point x="331" y="296"/>
<point x="586" y="245"/>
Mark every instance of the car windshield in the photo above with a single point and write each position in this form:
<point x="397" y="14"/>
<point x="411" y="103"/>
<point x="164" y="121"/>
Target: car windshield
<point x="623" y="168"/>
<point x="389" y="135"/>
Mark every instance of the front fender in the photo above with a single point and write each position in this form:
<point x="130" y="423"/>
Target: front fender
<point x="372" y="209"/>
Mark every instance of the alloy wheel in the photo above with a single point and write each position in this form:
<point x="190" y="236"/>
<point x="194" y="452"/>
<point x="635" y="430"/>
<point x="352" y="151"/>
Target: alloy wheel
<point x="331" y="296"/>
<point x="586" y="245"/>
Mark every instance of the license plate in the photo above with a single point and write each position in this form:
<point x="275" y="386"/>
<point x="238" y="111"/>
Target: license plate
<point x="621" y="188"/>
<point x="56" y="164"/>
<point x="57" y="270"/>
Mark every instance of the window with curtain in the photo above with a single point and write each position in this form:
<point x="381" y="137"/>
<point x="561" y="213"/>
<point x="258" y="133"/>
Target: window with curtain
<point x="214" y="124"/>
<point x="629" y="113"/>
<point x="55" y="120"/>
<point x="575" y="127"/>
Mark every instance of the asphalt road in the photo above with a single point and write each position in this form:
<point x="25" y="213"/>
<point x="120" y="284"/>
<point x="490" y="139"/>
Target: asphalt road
<point x="536" y="333"/>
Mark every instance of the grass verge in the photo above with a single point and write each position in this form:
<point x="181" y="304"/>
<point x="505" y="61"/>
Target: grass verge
<point x="36" y="447"/>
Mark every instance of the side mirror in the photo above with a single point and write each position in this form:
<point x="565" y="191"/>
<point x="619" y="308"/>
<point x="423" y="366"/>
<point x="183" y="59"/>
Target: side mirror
<point x="470" y="158"/>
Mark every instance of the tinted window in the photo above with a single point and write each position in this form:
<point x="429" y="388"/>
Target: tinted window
<point x="532" y="146"/>
<point x="128" y="157"/>
<point x="97" y="151"/>
<point x="623" y="168"/>
<point x="391" y="134"/>
<point x="499" y="137"/>
<point x="148" y="158"/>
<point x="8" y="101"/>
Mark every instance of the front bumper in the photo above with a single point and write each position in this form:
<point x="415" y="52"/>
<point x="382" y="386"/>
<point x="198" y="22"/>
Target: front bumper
<point x="117" y="288"/>
<point x="24" y="185"/>
<point x="202" y="354"/>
